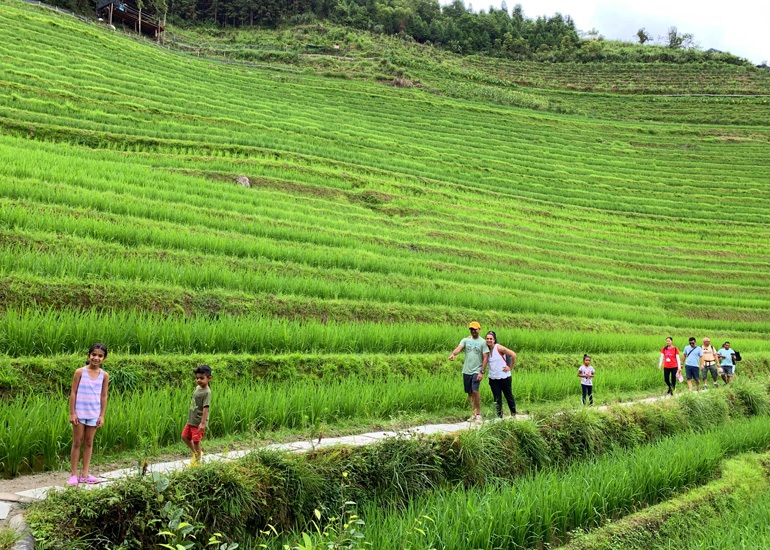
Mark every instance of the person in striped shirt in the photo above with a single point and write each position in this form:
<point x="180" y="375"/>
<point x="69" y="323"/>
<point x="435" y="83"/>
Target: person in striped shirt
<point x="88" y="402"/>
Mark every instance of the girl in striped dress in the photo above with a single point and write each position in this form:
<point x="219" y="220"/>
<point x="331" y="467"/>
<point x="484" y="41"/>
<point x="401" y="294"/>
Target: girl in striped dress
<point x="88" y="401"/>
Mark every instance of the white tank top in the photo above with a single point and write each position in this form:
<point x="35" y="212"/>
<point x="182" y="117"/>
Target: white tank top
<point x="496" y="363"/>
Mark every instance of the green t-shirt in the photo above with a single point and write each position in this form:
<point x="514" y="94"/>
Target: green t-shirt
<point x="475" y="348"/>
<point x="201" y="398"/>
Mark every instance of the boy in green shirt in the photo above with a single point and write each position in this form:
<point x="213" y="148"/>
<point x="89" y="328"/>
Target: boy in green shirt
<point x="199" y="413"/>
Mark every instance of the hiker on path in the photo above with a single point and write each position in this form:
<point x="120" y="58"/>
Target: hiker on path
<point x="727" y="364"/>
<point x="88" y="403"/>
<point x="500" y="374"/>
<point x="476" y="357"/>
<point x="586" y="372"/>
<point x="669" y="362"/>
<point x="692" y="363"/>
<point x="197" y="418"/>
<point x="709" y="362"/>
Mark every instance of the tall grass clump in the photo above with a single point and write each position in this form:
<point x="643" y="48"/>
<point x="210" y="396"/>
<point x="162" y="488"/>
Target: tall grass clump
<point x="214" y="498"/>
<point x="749" y="396"/>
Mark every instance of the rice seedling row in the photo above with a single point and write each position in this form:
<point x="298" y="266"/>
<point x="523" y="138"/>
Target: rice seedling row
<point x="543" y="508"/>
<point x="39" y="434"/>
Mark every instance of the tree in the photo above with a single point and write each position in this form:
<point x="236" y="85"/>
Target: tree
<point x="643" y="36"/>
<point x="675" y="40"/>
<point x="504" y="6"/>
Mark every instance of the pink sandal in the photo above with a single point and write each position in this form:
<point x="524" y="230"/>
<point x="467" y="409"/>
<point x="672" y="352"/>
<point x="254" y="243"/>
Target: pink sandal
<point x="73" y="481"/>
<point x="90" y="480"/>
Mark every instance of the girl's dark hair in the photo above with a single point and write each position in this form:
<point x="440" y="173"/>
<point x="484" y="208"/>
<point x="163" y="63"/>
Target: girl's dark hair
<point x="203" y="369"/>
<point x="492" y="332"/>
<point x="670" y="338"/>
<point x="95" y="347"/>
<point x="586" y="355"/>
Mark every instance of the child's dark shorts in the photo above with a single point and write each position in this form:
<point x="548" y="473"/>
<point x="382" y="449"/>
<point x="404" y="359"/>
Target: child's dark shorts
<point x="192" y="432"/>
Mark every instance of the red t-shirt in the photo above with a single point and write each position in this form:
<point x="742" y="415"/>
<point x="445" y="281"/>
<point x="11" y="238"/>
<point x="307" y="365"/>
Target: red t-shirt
<point x="669" y="357"/>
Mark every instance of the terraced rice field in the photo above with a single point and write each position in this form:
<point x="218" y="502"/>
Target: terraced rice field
<point x="589" y="211"/>
<point x="119" y="160"/>
<point x="380" y="219"/>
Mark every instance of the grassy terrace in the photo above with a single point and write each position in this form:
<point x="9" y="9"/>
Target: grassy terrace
<point x="381" y="219"/>
<point x="371" y="203"/>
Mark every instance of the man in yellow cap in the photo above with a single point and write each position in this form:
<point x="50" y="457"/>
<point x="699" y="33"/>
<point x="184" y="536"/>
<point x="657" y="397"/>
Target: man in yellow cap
<point x="476" y="357"/>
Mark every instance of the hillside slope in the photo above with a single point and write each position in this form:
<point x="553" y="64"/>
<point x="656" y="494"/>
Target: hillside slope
<point x="380" y="218"/>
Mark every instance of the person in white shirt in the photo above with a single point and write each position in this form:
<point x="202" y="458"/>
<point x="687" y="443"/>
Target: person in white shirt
<point x="500" y="374"/>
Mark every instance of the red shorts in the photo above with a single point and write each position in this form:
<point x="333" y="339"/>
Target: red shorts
<point x="192" y="432"/>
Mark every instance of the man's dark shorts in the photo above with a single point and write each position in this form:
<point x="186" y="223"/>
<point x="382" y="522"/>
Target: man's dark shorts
<point x="471" y="382"/>
<point x="693" y="373"/>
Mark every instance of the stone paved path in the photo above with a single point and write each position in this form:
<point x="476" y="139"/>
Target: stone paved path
<point x="297" y="447"/>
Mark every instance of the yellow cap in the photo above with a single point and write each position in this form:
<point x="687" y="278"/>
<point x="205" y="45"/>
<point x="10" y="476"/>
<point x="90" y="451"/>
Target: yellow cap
<point x="475" y="325"/>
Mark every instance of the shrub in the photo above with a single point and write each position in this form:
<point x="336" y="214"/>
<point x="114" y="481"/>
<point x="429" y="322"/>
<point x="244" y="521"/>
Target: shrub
<point x="749" y="397"/>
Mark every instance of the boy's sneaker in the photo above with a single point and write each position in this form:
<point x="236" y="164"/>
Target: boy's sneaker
<point x="716" y="385"/>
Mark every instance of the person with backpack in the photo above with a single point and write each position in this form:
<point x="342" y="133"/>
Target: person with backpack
<point x="501" y="362"/>
<point x="669" y="362"/>
<point x="692" y="363"/>
<point x="727" y="363"/>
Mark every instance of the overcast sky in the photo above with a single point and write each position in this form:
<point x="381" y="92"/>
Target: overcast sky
<point x="741" y="27"/>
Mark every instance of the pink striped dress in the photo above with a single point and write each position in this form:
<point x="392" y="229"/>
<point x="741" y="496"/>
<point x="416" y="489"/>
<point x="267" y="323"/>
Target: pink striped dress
<point x="88" y="402"/>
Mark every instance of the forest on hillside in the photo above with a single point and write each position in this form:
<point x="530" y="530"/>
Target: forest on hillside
<point x="455" y="27"/>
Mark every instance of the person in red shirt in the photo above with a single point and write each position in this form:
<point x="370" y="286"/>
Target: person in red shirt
<point x="669" y="362"/>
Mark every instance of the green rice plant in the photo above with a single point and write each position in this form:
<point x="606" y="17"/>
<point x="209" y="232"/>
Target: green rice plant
<point x="30" y="426"/>
<point x="28" y="333"/>
<point x="741" y="527"/>
<point x="8" y="538"/>
<point x="739" y="484"/>
<point x="543" y="508"/>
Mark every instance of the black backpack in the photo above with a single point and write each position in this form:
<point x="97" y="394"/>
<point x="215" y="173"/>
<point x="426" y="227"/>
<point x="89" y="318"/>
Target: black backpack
<point x="736" y="356"/>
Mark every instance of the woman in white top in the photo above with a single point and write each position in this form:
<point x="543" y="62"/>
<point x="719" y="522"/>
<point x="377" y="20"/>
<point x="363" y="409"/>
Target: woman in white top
<point x="500" y="374"/>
